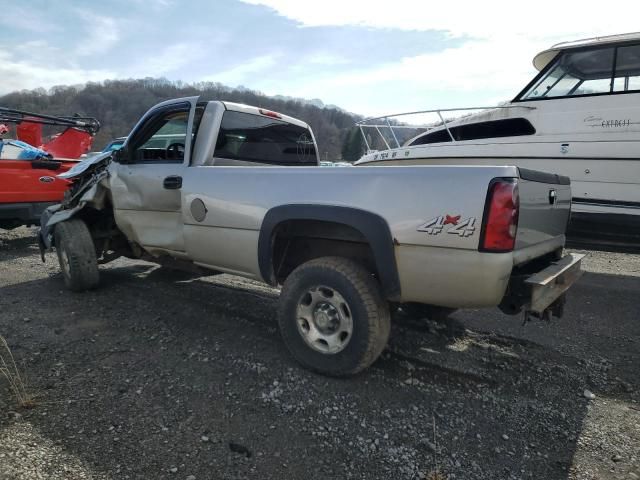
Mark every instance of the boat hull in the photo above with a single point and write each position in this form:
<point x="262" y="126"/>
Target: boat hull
<point x="608" y="227"/>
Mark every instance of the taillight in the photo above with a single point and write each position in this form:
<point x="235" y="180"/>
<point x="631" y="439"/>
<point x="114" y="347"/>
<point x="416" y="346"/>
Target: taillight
<point x="501" y="216"/>
<point x="269" y="113"/>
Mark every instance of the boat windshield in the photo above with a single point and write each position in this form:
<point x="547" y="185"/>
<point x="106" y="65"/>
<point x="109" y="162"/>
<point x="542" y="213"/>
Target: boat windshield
<point x="589" y="72"/>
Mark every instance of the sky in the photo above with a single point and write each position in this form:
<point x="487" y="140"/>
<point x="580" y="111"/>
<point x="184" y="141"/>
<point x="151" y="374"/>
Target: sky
<point x="366" y="56"/>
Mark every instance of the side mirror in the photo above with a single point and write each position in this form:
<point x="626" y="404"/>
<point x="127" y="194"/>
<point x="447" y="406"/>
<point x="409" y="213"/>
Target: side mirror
<point x="121" y="156"/>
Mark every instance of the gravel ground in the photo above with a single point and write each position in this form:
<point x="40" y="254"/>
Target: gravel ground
<point x="161" y="375"/>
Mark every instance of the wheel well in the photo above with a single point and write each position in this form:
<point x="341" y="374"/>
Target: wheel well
<point x="320" y="230"/>
<point x="295" y="242"/>
<point x="104" y="231"/>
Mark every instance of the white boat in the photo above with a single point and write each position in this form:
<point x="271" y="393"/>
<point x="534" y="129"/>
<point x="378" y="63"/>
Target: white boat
<point x="579" y="117"/>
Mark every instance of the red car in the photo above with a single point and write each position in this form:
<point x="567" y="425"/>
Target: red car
<point x="28" y="166"/>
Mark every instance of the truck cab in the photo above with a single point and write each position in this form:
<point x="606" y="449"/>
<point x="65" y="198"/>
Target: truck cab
<point x="148" y="175"/>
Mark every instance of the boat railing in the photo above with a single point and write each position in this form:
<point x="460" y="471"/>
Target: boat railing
<point x="385" y="122"/>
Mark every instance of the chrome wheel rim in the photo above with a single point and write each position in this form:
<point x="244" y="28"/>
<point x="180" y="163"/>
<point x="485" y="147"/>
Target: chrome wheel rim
<point x="324" y="320"/>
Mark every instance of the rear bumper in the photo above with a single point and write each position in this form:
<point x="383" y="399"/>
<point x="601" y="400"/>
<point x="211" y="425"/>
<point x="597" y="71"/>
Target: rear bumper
<point x="539" y="288"/>
<point x="549" y="284"/>
<point x="16" y="214"/>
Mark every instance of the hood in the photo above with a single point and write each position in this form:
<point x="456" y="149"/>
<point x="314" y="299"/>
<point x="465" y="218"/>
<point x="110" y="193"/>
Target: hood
<point x="81" y="167"/>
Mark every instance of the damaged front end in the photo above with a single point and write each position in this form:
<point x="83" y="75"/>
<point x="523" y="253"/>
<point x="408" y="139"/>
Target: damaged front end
<point x="88" y="191"/>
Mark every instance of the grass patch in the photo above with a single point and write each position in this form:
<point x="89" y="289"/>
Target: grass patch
<point x="435" y="474"/>
<point x="9" y="370"/>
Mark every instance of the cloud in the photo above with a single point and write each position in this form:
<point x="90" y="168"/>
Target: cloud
<point x="245" y="71"/>
<point x="22" y="74"/>
<point x="168" y="59"/>
<point x="542" y="19"/>
<point x="368" y="57"/>
<point x="326" y="58"/>
<point x="488" y="58"/>
<point x="468" y="67"/>
<point x="28" y="19"/>
<point x="102" y="33"/>
<point x="154" y="3"/>
<point x="435" y="80"/>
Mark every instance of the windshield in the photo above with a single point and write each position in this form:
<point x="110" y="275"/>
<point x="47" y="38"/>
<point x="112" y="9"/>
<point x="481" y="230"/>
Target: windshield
<point x="578" y="73"/>
<point x="589" y="72"/>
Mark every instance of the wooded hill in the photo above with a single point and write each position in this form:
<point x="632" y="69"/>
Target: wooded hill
<point x="118" y="104"/>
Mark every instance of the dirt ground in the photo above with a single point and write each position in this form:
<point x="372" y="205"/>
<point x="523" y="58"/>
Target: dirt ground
<point x="158" y="375"/>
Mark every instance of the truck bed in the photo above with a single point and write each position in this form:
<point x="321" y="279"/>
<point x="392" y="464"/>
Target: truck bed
<point x="430" y="265"/>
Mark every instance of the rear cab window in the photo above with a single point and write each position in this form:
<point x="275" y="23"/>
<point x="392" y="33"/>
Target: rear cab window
<point x="246" y="137"/>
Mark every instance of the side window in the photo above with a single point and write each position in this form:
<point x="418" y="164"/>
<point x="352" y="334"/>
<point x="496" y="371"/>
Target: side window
<point x="510" y="127"/>
<point x="597" y="85"/>
<point x="162" y="138"/>
<point x="263" y="139"/>
<point x="557" y="83"/>
<point x="575" y="73"/>
<point x="627" y="72"/>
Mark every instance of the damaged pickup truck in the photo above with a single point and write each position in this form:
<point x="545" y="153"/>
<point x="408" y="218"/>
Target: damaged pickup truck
<point x="239" y="191"/>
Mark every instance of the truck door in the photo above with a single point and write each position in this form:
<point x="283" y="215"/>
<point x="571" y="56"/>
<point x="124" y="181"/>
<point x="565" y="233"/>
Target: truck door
<point x="31" y="181"/>
<point x="146" y="176"/>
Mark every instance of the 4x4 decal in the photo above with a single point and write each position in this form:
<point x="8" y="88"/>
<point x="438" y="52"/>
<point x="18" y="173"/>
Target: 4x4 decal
<point x="453" y="224"/>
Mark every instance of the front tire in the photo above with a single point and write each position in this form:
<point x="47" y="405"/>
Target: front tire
<point x="76" y="255"/>
<point x="332" y="316"/>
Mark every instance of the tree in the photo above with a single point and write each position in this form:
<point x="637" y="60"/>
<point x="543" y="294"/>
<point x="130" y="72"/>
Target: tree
<point x="118" y="104"/>
<point x="353" y="146"/>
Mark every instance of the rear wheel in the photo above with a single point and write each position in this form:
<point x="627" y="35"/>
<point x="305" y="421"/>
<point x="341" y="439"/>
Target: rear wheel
<point x="333" y="317"/>
<point x="76" y="255"/>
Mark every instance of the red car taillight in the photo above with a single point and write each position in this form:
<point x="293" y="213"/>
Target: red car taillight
<point x="501" y="216"/>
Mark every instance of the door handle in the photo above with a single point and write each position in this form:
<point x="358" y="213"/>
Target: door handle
<point x="172" y="182"/>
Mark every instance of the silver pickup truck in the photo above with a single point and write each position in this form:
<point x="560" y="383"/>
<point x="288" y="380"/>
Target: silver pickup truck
<point x="239" y="190"/>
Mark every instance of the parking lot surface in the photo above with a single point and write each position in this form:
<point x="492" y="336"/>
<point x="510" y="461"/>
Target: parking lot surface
<point x="158" y="374"/>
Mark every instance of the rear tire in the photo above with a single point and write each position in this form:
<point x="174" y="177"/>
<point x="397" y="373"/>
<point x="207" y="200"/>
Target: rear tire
<point x="332" y="316"/>
<point x="76" y="255"/>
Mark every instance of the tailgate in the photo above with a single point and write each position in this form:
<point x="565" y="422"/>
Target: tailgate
<point x="545" y="206"/>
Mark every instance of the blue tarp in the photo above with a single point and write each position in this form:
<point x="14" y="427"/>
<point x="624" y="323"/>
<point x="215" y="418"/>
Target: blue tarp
<point x="27" y="152"/>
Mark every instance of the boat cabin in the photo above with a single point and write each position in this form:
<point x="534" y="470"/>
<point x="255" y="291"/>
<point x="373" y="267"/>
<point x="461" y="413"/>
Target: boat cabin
<point x="574" y="74"/>
<point x="606" y="66"/>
